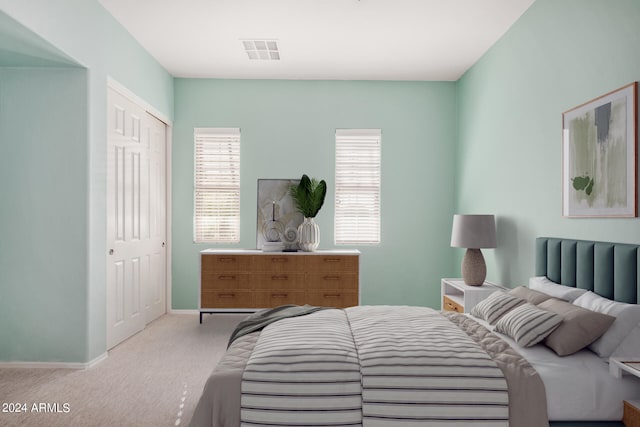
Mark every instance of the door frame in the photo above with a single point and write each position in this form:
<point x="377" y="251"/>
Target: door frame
<point x="118" y="87"/>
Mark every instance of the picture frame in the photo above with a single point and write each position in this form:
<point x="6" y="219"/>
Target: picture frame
<point x="599" y="156"/>
<point x="277" y="216"/>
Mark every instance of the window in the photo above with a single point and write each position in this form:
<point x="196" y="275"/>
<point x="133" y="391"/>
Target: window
<point x="217" y="185"/>
<point x="357" y="213"/>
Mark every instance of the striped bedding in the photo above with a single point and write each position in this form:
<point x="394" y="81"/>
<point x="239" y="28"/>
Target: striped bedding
<point x="419" y="370"/>
<point x="372" y="366"/>
<point x="303" y="371"/>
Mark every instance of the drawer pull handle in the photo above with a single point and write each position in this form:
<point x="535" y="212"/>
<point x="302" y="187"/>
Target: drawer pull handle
<point x="331" y="277"/>
<point x="227" y="277"/>
<point x="279" y="260"/>
<point x="280" y="277"/>
<point x="228" y="259"/>
<point x="332" y="295"/>
<point x="279" y="295"/>
<point x="332" y="260"/>
<point x="226" y="295"/>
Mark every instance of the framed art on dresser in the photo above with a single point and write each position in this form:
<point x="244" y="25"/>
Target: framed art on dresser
<point x="599" y="156"/>
<point x="278" y="218"/>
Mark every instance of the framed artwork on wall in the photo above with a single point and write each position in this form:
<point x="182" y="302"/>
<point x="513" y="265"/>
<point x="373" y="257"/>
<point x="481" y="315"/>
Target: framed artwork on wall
<point x="599" y="156"/>
<point x="278" y="218"/>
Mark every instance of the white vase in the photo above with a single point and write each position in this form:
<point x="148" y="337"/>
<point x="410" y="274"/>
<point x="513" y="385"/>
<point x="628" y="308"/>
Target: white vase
<point x="308" y="235"/>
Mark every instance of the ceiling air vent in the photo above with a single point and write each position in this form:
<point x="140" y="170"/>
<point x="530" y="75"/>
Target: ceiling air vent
<point x="262" y="49"/>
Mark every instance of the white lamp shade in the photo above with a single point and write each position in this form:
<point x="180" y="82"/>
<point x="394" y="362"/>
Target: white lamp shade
<point x="473" y="231"/>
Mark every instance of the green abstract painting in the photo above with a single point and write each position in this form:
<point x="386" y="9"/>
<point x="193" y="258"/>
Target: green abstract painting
<point x="599" y="156"/>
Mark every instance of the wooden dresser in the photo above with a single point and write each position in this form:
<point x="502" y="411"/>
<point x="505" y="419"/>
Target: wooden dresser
<point x="246" y="280"/>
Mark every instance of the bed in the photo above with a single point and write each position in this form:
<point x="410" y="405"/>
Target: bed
<point x="377" y="365"/>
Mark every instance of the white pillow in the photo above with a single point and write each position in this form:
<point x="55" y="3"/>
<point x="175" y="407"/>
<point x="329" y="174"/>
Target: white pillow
<point x="630" y="346"/>
<point x="595" y="302"/>
<point x="627" y="318"/>
<point x="543" y="284"/>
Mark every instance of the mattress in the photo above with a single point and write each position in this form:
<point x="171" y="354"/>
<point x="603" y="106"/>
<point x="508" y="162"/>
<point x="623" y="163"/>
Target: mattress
<point x="579" y="387"/>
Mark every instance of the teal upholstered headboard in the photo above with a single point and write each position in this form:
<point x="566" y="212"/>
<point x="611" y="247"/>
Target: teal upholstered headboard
<point x="608" y="269"/>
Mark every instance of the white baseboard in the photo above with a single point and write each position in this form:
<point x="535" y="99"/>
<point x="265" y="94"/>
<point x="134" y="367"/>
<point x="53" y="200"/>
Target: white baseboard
<point x="97" y="360"/>
<point x="54" y="365"/>
<point x="174" y="311"/>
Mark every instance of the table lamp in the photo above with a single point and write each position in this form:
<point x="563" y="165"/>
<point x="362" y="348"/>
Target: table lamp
<point x="473" y="232"/>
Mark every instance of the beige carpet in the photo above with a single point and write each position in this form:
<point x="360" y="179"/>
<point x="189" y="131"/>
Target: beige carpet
<point x="153" y="379"/>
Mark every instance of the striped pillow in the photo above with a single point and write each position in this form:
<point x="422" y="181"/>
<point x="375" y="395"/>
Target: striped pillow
<point x="495" y="306"/>
<point x="528" y="324"/>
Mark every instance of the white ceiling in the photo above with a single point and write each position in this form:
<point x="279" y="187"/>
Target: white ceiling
<point x="319" y="39"/>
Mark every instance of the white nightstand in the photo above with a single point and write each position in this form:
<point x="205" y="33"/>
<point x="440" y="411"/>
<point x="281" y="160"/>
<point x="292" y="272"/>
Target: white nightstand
<point x="457" y="296"/>
<point x="617" y="367"/>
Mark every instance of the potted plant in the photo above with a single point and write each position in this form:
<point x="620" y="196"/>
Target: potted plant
<point x="308" y="197"/>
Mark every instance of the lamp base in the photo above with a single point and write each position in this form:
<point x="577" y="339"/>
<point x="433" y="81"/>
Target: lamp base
<point x="474" y="269"/>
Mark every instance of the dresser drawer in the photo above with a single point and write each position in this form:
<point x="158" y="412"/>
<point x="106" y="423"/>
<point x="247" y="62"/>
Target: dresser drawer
<point x="332" y="281"/>
<point x="226" y="299"/>
<point x="331" y="263"/>
<point x="225" y="263"/>
<point x="337" y="299"/>
<point x="278" y="281"/>
<point x="225" y="280"/>
<point x="237" y="279"/>
<point x="265" y="299"/>
<point x="278" y="263"/>
<point x="450" y="305"/>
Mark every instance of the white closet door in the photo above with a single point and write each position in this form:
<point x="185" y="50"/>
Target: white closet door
<point x="156" y="292"/>
<point x="136" y="218"/>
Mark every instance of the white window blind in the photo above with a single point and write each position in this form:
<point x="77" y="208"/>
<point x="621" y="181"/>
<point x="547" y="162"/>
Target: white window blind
<point x="217" y="185"/>
<point x="357" y="212"/>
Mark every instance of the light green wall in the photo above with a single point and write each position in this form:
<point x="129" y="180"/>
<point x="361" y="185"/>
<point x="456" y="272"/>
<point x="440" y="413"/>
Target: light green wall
<point x="43" y="221"/>
<point x="71" y="322"/>
<point x="558" y="55"/>
<point x="288" y="128"/>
